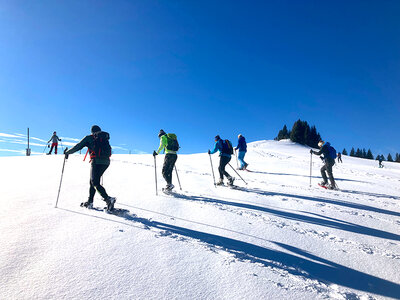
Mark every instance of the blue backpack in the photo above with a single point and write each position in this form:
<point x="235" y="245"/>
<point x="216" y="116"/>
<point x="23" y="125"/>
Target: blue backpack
<point x="331" y="151"/>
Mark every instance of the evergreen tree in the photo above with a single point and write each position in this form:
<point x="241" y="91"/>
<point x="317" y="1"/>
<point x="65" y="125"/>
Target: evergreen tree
<point x="364" y="153"/>
<point x="352" y="152"/>
<point x="397" y="157"/>
<point x="358" y="152"/>
<point x="307" y="130"/>
<point x="297" y="133"/>
<point x="314" y="137"/>
<point x="344" y="152"/>
<point x="389" y="157"/>
<point x="282" y="134"/>
<point x="369" y="154"/>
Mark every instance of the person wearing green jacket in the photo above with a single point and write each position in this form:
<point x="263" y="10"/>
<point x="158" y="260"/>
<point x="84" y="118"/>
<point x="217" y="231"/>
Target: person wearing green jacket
<point x="170" y="146"/>
<point x="100" y="151"/>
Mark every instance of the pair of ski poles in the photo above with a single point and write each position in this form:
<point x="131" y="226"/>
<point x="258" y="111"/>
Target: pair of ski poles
<point x="212" y="170"/>
<point x="155" y="174"/>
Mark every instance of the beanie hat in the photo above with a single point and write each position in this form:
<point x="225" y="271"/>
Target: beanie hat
<point x="161" y="133"/>
<point x="95" y="128"/>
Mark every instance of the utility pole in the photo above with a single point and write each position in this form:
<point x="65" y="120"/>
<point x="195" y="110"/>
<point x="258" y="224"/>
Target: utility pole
<point x="28" y="150"/>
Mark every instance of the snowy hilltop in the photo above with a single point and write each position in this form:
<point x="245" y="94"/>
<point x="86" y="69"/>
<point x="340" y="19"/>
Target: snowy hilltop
<point x="274" y="238"/>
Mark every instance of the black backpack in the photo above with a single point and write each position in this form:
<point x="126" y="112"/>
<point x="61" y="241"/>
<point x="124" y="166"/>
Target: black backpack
<point x="172" y="142"/>
<point x="227" y="147"/>
<point x="102" y="146"/>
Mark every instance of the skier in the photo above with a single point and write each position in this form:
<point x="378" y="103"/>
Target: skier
<point x="100" y="151"/>
<point x="329" y="160"/>
<point x="339" y="157"/>
<point x="242" y="147"/>
<point x="54" y="143"/>
<point x="380" y="159"/>
<point x="225" y="150"/>
<point x="168" y="143"/>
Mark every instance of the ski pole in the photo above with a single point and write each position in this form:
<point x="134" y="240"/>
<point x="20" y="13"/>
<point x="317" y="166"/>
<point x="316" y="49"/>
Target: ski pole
<point x="212" y="169"/>
<point x="155" y="173"/>
<point x="310" y="167"/>
<point x="237" y="173"/>
<point x="178" y="178"/>
<point x="62" y="173"/>
<point x="45" y="147"/>
<point x="236" y="155"/>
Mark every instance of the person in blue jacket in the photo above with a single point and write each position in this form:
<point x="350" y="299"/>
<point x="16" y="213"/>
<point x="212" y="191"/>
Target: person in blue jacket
<point x="225" y="158"/>
<point x="242" y="147"/>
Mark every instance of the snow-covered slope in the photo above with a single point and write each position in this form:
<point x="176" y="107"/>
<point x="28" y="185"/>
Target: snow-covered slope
<point x="275" y="238"/>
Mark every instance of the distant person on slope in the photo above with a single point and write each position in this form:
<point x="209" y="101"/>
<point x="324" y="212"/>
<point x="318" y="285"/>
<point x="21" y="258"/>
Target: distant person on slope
<point x="225" y="153"/>
<point x="329" y="161"/>
<point x="54" y="139"/>
<point x="380" y="159"/>
<point x="170" y="145"/>
<point x="242" y="147"/>
<point x="339" y="157"/>
<point x="100" y="151"/>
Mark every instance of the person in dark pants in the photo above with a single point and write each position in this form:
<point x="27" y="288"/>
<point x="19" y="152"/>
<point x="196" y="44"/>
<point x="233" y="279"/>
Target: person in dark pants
<point x="54" y="143"/>
<point x="339" y="157"/>
<point x="100" y="151"/>
<point x="225" y="158"/>
<point x="328" y="164"/>
<point x="170" y="157"/>
<point x="380" y="159"/>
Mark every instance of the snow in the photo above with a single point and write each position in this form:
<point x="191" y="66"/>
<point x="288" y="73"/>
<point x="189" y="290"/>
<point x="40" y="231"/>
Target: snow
<point x="275" y="238"/>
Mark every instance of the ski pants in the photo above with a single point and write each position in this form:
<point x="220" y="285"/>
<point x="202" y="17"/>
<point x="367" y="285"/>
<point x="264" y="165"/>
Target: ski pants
<point x="327" y="167"/>
<point x="96" y="171"/>
<point x="53" y="145"/>
<point x="339" y="160"/>
<point x="168" y="167"/>
<point x="223" y="161"/>
<point x="241" y="159"/>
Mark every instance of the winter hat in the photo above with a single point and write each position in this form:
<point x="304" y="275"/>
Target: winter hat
<point x="54" y="132"/>
<point x="161" y="133"/>
<point x="95" y="128"/>
<point x="321" y="143"/>
<point x="217" y="138"/>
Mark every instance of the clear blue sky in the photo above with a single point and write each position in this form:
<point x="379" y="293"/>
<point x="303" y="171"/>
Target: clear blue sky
<point x="201" y="68"/>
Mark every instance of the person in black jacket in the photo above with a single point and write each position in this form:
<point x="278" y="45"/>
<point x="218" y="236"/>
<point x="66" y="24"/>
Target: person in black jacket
<point x="100" y="151"/>
<point x="328" y="164"/>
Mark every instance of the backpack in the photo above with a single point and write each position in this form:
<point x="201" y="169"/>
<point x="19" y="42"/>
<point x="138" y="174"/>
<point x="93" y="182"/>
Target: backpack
<point x="227" y="147"/>
<point x="102" y="146"/>
<point x="331" y="151"/>
<point x="172" y="142"/>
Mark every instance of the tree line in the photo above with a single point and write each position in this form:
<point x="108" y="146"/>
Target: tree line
<point x="305" y="134"/>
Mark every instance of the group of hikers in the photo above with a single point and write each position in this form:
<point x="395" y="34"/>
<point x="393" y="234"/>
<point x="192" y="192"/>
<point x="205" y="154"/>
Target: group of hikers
<point x="100" y="151"/>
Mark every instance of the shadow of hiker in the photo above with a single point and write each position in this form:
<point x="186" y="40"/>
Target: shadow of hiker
<point x="307" y="266"/>
<point x="323" y="221"/>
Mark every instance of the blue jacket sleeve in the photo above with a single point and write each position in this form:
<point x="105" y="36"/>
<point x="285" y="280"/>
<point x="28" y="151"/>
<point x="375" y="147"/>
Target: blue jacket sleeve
<point x="216" y="148"/>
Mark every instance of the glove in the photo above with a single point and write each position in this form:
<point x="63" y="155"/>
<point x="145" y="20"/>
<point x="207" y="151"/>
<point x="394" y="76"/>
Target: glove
<point x="311" y="151"/>
<point x="209" y="152"/>
<point x="155" y="153"/>
<point x="65" y="153"/>
<point x="48" y="146"/>
<point x="236" y="148"/>
<point x="60" y="140"/>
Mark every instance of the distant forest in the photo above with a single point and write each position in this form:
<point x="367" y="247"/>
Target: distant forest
<point x="305" y="134"/>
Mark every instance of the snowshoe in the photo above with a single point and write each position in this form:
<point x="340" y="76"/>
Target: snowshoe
<point x="110" y="203"/>
<point x="230" y="181"/>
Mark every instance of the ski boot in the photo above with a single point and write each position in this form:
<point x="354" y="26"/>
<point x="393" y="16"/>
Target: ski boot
<point x="87" y="204"/>
<point x="220" y="182"/>
<point x="323" y="184"/>
<point x="110" y="203"/>
<point x="170" y="186"/>
<point x="231" y="180"/>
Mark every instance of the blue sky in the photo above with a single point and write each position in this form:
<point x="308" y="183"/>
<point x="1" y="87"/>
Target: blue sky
<point x="200" y="68"/>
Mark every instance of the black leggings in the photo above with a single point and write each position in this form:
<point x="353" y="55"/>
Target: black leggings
<point x="223" y="161"/>
<point x="168" y="167"/>
<point x="328" y="168"/>
<point x="96" y="171"/>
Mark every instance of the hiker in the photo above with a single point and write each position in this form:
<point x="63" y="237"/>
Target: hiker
<point x="225" y="152"/>
<point x="242" y="147"/>
<point x="380" y="159"/>
<point x="99" y="150"/>
<point x="170" y="145"/>
<point x="339" y="157"/>
<point x="54" y="143"/>
<point x="329" y="154"/>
